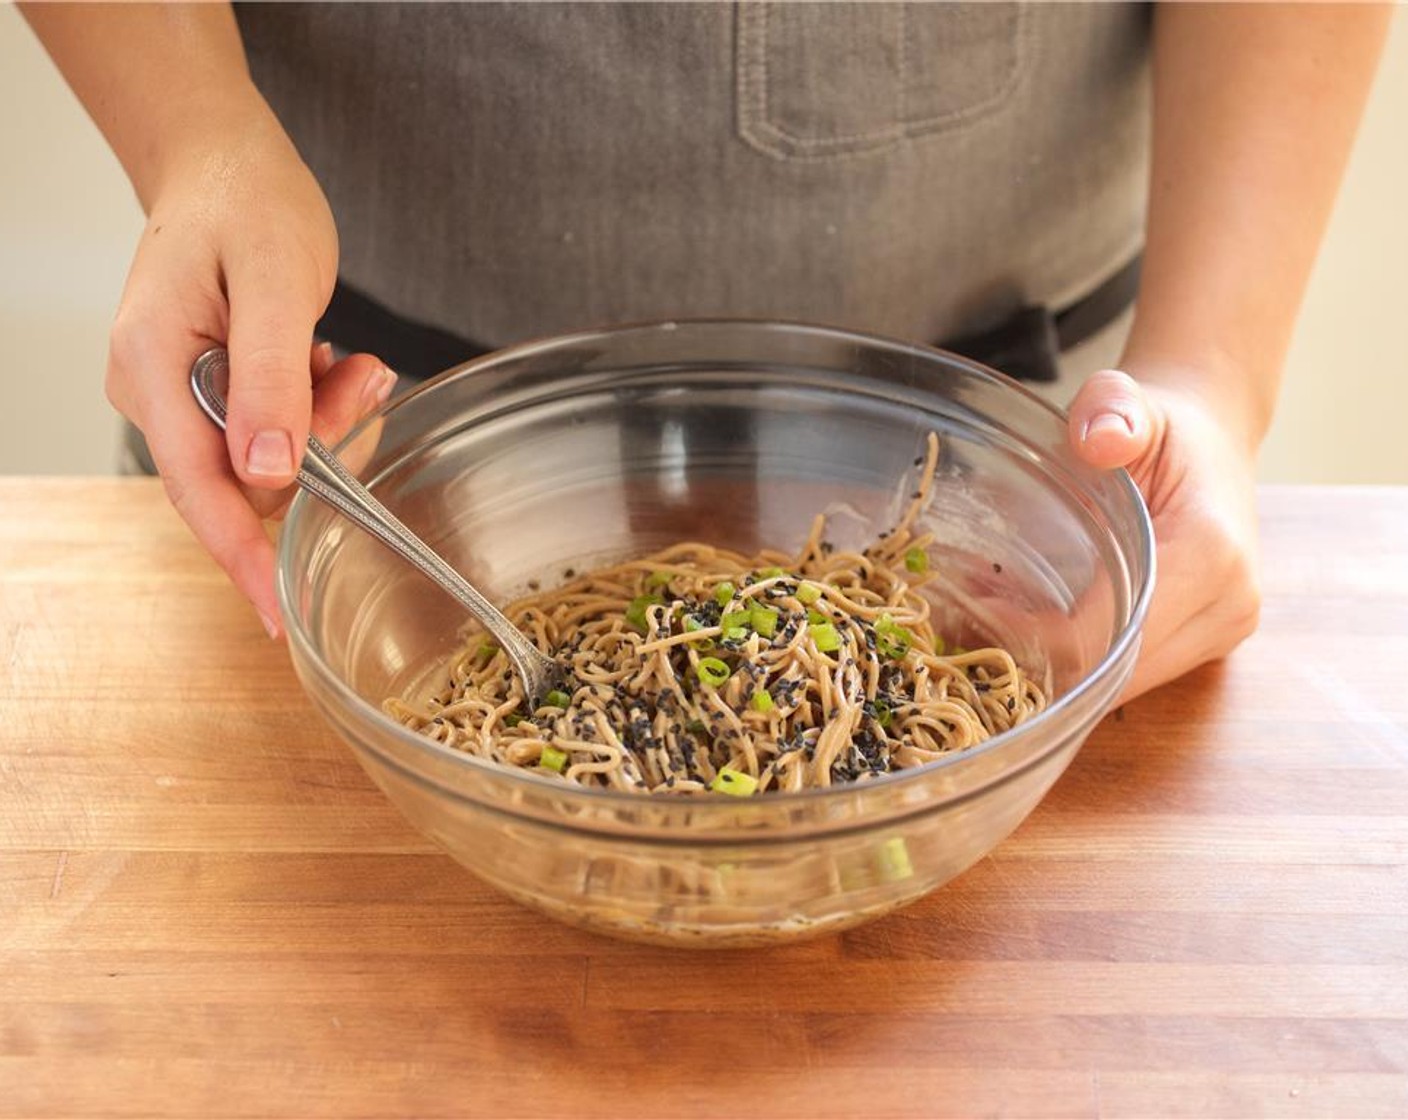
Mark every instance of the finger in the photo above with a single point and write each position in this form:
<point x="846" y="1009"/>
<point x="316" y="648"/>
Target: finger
<point x="375" y="390"/>
<point x="273" y="308"/>
<point x="191" y="457"/>
<point x="1112" y="422"/>
<point x="353" y="388"/>
<point x="321" y="360"/>
<point x="348" y="391"/>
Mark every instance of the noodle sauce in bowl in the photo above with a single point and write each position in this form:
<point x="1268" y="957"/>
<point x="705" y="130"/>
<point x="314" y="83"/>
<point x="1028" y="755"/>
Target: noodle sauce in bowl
<point x="531" y="467"/>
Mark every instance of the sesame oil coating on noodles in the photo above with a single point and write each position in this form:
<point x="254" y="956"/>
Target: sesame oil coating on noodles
<point x="697" y="667"/>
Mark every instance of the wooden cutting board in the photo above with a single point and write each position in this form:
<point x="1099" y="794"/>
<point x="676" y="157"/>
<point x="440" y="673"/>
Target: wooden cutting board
<point x="206" y="909"/>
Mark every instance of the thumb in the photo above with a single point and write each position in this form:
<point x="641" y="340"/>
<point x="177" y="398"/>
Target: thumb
<point x="1111" y="421"/>
<point x="271" y="382"/>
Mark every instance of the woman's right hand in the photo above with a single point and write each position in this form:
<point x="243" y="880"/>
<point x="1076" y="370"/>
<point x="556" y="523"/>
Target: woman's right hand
<point x="239" y="250"/>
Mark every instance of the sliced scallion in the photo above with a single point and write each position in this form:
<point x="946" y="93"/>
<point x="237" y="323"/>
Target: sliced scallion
<point x="553" y="759"/>
<point x="883" y="714"/>
<point x="917" y="560"/>
<point x="894" y="860"/>
<point x="723" y="594"/>
<point x="712" y="671"/>
<point x="557" y="699"/>
<point x="808" y="594"/>
<point x="891" y="639"/>
<point x="763" y="620"/>
<point x="825" y="636"/>
<point x="762" y="701"/>
<point x="692" y="624"/>
<point x="734" y="782"/>
<point x="635" y="613"/>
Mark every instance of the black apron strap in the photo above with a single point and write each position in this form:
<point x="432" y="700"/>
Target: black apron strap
<point x="1027" y="345"/>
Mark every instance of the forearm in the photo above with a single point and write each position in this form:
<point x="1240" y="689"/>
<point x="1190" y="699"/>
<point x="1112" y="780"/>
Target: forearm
<point x="160" y="80"/>
<point x="1255" y="110"/>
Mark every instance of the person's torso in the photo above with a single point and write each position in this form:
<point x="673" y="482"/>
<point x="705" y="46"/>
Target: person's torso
<point x="511" y="170"/>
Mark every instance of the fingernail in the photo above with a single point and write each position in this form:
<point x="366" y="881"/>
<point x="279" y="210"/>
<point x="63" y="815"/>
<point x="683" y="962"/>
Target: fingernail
<point x="269" y="625"/>
<point x="377" y="390"/>
<point x="1111" y="422"/>
<point x="324" y="353"/>
<point x="270" y="454"/>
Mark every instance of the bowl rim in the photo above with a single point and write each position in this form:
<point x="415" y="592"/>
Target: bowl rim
<point x="1129" y="635"/>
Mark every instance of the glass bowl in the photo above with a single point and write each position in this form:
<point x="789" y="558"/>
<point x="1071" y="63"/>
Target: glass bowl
<point x="596" y="447"/>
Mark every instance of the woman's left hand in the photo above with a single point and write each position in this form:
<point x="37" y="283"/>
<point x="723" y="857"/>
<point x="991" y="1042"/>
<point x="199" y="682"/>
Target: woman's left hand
<point x="1198" y="478"/>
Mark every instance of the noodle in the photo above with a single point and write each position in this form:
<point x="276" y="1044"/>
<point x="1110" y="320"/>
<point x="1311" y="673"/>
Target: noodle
<point x="697" y="667"/>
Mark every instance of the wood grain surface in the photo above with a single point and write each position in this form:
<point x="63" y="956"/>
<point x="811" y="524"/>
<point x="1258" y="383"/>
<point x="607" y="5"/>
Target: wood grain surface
<point x="206" y="909"/>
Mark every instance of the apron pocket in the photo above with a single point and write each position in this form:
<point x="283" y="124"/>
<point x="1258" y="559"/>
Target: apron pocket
<point x="829" y="80"/>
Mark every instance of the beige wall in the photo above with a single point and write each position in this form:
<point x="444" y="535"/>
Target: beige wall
<point x="68" y="223"/>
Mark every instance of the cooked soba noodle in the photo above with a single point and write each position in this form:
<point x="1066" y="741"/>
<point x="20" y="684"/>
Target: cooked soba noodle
<point x="698" y="668"/>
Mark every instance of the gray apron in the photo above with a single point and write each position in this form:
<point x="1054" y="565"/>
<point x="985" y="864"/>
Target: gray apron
<point x="505" y="171"/>
<point x="969" y="174"/>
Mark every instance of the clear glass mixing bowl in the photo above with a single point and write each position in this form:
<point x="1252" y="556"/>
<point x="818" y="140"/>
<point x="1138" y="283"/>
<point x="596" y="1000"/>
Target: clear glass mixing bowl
<point x="595" y="447"/>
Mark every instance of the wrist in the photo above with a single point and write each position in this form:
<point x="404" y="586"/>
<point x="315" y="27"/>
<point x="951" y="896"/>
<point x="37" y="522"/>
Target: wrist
<point x="211" y="131"/>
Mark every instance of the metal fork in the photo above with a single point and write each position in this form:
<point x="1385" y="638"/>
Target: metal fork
<point x="323" y="475"/>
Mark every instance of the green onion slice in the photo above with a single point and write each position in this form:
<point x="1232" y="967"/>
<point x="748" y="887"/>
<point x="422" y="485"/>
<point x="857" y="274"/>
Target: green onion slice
<point x="891" y="639"/>
<point x="917" y="560"/>
<point x="808" y="594"/>
<point x="657" y="579"/>
<point x="556" y="699"/>
<point x="553" y="759"/>
<point x="691" y="624"/>
<point x="712" y="671"/>
<point x="817" y="616"/>
<point x="894" y="860"/>
<point x="883" y="714"/>
<point x="763" y="620"/>
<point x="771" y="573"/>
<point x="635" y="613"/>
<point x="734" y="782"/>
<point x="723" y="594"/>
<point x="762" y="701"/>
<point x="825" y="636"/>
